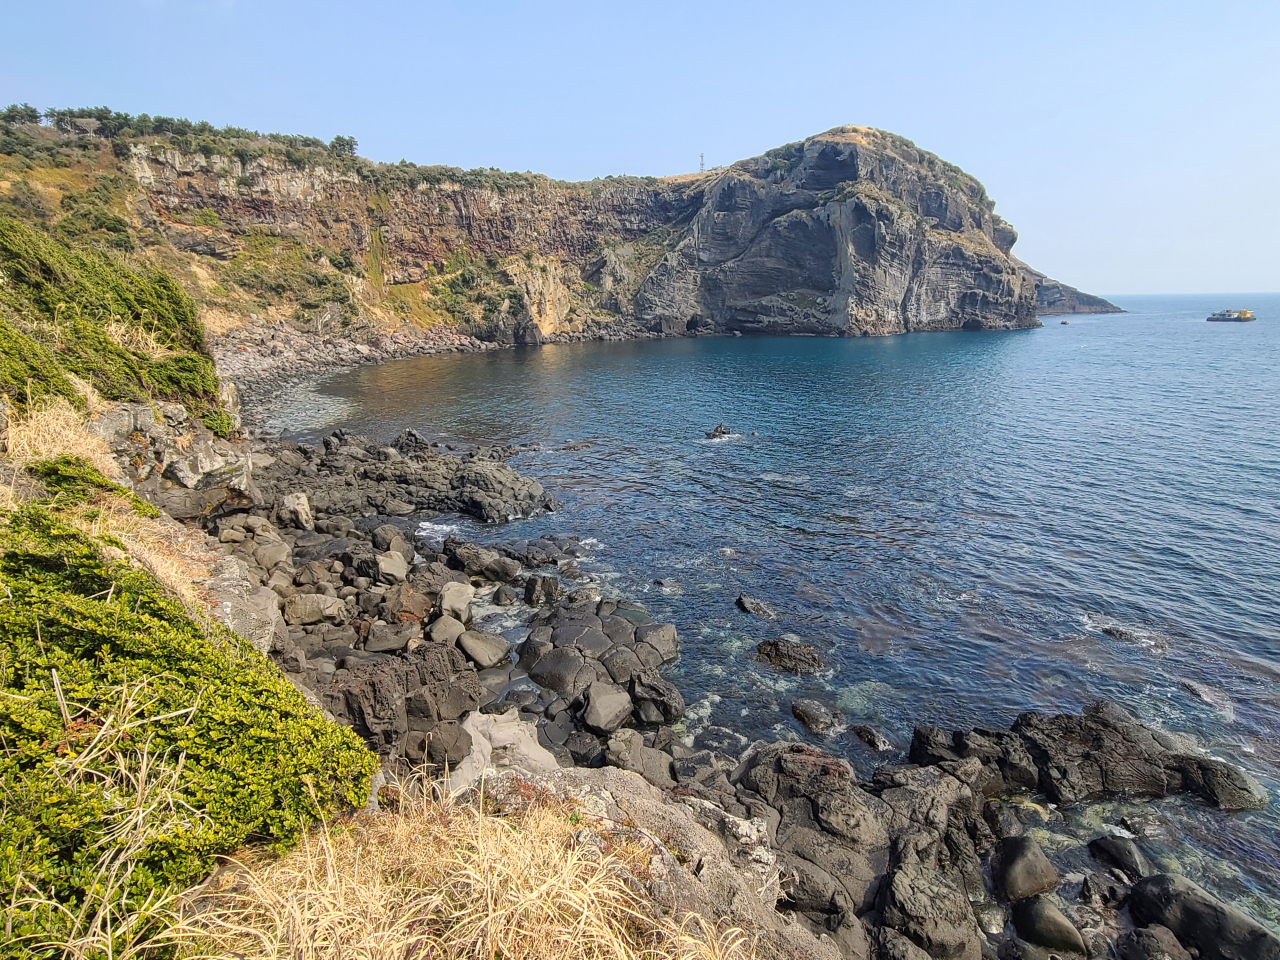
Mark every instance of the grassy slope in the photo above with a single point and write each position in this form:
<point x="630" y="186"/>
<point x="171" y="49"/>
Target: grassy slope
<point x="136" y="743"/>
<point x="129" y="331"/>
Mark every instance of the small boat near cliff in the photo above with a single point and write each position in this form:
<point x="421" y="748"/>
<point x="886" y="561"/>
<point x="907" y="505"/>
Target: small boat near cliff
<point x="1231" y="316"/>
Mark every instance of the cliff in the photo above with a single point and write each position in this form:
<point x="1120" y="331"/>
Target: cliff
<point x="1054" y="298"/>
<point x="853" y="232"/>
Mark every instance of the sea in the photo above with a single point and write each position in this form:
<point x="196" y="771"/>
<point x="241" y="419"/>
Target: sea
<point x="966" y="525"/>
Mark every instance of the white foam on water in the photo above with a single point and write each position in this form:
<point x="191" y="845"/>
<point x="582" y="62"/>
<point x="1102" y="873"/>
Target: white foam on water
<point x="697" y="715"/>
<point x="1126" y="633"/>
<point x="797" y="478"/>
<point x="438" y="530"/>
<point x="727" y="437"/>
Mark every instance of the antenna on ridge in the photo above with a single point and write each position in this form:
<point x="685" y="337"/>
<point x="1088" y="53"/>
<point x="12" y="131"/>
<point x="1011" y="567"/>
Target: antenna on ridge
<point x="702" y="163"/>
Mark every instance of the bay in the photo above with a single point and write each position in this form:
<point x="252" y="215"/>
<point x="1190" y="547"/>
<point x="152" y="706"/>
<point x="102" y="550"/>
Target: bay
<point x="967" y="525"/>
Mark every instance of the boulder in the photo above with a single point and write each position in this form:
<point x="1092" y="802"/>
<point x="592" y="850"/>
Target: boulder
<point x="267" y="555"/>
<point x="757" y="608"/>
<point x="500" y="740"/>
<point x="505" y="596"/>
<point x="626" y="751"/>
<point x="1122" y="854"/>
<point x="392" y="567"/>
<point x="308" y="608"/>
<point x="558" y="669"/>
<point x="294" y="510"/>
<point x="1200" y="921"/>
<point x="1151" y="943"/>
<point x="402" y="603"/>
<point x="1022" y="870"/>
<point x="468" y="557"/>
<point x="384" y="536"/>
<point x="790" y="655"/>
<point x="1038" y="921"/>
<point x="649" y="688"/>
<point x="501" y="570"/>
<point x="1106" y="752"/>
<point x="446" y="630"/>
<point x="455" y="600"/>
<point x="873" y="738"/>
<point x="449" y="743"/>
<point x="817" y="717"/>
<point x="608" y="707"/>
<point x="932" y="912"/>
<point x="485" y="649"/>
<point x="585" y="749"/>
<point x="541" y="590"/>
<point x="662" y="637"/>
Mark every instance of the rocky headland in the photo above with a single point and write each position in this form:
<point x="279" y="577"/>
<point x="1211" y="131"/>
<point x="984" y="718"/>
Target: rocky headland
<point x="297" y="258"/>
<point x="935" y="855"/>
<point x="852" y="232"/>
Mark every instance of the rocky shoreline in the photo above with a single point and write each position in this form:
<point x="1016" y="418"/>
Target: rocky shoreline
<point x="383" y="628"/>
<point x="265" y="360"/>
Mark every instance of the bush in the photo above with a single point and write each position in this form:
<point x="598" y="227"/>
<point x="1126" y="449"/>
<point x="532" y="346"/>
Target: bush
<point x="28" y="370"/>
<point x="59" y="308"/>
<point x="105" y="679"/>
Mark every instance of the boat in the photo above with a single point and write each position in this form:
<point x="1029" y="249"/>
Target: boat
<point x="1065" y="322"/>
<point x="1231" y="316"/>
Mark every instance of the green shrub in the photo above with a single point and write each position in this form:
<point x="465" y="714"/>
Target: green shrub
<point x="29" y="370"/>
<point x="220" y="423"/>
<point x="279" y="268"/>
<point x="58" y="305"/>
<point x="250" y="759"/>
<point x="70" y="480"/>
<point x="206" y="217"/>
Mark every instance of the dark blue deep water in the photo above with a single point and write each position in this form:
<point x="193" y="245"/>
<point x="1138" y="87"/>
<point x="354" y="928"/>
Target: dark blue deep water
<point x="955" y="520"/>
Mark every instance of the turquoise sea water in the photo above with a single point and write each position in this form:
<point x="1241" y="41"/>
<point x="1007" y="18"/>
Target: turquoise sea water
<point x="967" y="525"/>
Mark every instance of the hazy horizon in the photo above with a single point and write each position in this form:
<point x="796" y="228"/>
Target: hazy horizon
<point x="1126" y="143"/>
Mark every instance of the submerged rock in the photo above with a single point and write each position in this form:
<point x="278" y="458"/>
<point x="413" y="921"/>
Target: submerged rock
<point x="790" y="655"/>
<point x="817" y="717"/>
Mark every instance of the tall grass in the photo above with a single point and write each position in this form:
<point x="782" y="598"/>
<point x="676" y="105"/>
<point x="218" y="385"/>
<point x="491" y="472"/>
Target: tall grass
<point x="51" y="429"/>
<point x="111" y="753"/>
<point x="445" y="879"/>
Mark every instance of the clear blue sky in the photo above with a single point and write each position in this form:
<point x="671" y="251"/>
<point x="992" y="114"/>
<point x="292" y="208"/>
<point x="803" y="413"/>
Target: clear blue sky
<point x="1135" y="146"/>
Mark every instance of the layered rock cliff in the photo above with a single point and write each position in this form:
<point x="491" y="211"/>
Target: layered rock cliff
<point x="1054" y="298"/>
<point x="852" y="232"/>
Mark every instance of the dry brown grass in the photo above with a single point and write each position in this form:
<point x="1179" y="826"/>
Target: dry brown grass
<point x="444" y="879"/>
<point x="176" y="556"/>
<point x="218" y="321"/>
<point x="53" y="428"/>
<point x="137" y="340"/>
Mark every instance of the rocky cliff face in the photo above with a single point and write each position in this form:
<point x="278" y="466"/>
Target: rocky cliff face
<point x="1054" y="298"/>
<point x="853" y="232"/>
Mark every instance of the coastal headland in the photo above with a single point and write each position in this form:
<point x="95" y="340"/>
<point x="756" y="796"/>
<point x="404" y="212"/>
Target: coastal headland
<point x="299" y="259"/>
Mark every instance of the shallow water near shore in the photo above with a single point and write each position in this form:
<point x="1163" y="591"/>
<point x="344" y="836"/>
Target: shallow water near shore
<point x="966" y="525"/>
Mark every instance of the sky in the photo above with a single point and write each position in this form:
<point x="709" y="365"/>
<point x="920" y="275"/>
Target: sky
<point x="1135" y="146"/>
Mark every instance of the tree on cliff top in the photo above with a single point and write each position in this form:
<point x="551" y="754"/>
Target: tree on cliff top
<point x="341" y="146"/>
